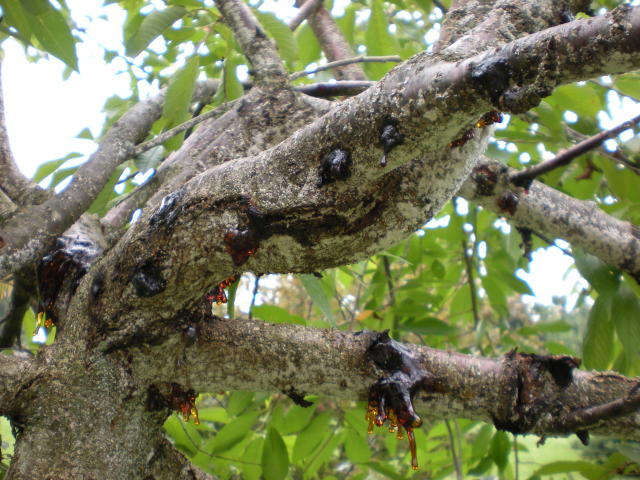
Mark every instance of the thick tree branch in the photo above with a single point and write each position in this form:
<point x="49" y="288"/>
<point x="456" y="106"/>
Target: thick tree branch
<point x="294" y="222"/>
<point x="29" y="234"/>
<point x="266" y="64"/>
<point x="14" y="374"/>
<point x="554" y="214"/>
<point x="333" y="43"/>
<point x="518" y="392"/>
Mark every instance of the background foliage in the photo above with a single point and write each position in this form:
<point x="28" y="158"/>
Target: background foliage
<point x="451" y="285"/>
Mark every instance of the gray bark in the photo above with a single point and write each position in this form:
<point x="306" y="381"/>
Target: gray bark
<point x="122" y="335"/>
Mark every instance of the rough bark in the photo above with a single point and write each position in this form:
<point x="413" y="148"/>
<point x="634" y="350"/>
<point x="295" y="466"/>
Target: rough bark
<point x="260" y="192"/>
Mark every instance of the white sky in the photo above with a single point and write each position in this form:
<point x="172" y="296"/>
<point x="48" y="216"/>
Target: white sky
<point x="44" y="114"/>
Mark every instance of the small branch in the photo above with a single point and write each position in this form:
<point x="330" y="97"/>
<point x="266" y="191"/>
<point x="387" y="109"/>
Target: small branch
<point x="307" y="8"/>
<point x="164" y="136"/>
<point x="14" y="373"/>
<point x="347" y="61"/>
<point x="387" y="272"/>
<point x="335" y="89"/>
<point x="265" y="62"/>
<point x="256" y="287"/>
<point x="471" y="281"/>
<point x="454" y="453"/>
<point x="441" y="6"/>
<point x="587" y="417"/>
<point x="525" y="177"/>
<point x="334" y="45"/>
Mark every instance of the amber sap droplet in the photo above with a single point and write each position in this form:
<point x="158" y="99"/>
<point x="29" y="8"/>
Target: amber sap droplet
<point x="218" y="294"/>
<point x="412" y="448"/>
<point x="489" y="118"/>
<point x="370" y="417"/>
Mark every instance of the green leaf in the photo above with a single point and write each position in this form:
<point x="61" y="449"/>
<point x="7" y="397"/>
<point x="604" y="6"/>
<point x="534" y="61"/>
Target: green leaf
<point x="275" y="459"/>
<point x="297" y="418"/>
<point x="151" y="27"/>
<point x="599" y="274"/>
<point x="356" y="447"/>
<point x="625" y="312"/>
<point x="311" y="437"/>
<point x="254" y="450"/>
<point x="178" y="99"/>
<point x="281" y="33"/>
<point x="232" y="87"/>
<point x="85" y="134"/>
<point x="378" y="40"/>
<point x="39" y="19"/>
<point x="308" y="47"/>
<point x="47" y="168"/>
<point x="588" y="468"/>
<point x="597" y="347"/>
<point x="184" y="435"/>
<point x="428" y="326"/>
<point x="545" y="327"/>
<point x="628" y="84"/>
<point x="233" y="432"/>
<point x="231" y="298"/>
<point x="239" y="401"/>
<point x="500" y="449"/>
<point x="481" y="442"/>
<point x="274" y="314"/>
<point x="149" y="159"/>
<point x="314" y="288"/>
<point x="99" y="205"/>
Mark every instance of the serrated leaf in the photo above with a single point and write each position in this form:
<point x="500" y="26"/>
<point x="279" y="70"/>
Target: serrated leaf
<point x="151" y="27"/>
<point x="233" y="432"/>
<point x="282" y="34"/>
<point x="597" y="347"/>
<point x="52" y="31"/>
<point x="320" y="298"/>
<point x="275" y="459"/>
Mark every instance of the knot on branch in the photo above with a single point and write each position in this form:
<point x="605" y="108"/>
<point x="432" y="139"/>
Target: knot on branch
<point x="538" y="379"/>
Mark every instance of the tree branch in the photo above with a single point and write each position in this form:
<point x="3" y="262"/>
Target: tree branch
<point x="333" y="43"/>
<point x="266" y="64"/>
<point x="14" y="373"/>
<point x="306" y="9"/>
<point x="523" y="178"/>
<point x="295" y="222"/>
<point x="554" y="214"/>
<point x="518" y="392"/>
<point x="347" y="61"/>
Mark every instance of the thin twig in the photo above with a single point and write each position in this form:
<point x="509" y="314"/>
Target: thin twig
<point x="164" y="136"/>
<point x="335" y="89"/>
<point x="468" y="261"/>
<point x="441" y="6"/>
<point x="525" y="177"/>
<point x="307" y="8"/>
<point x="347" y="61"/>
<point x="454" y="453"/>
<point x="387" y="272"/>
<point x="256" y="287"/>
